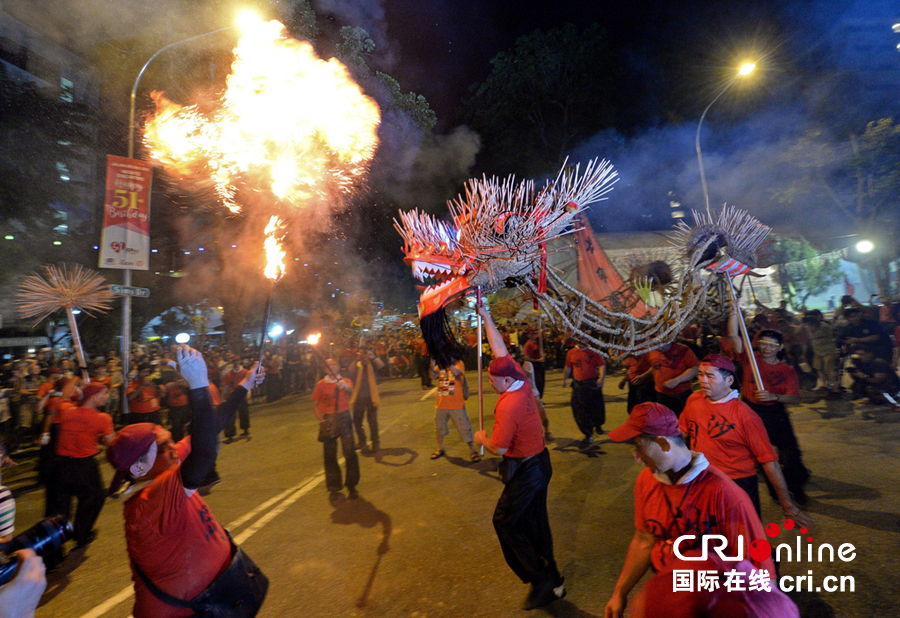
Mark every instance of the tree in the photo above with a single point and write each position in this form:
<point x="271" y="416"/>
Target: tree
<point x="550" y="91"/>
<point x="803" y="271"/>
<point x="858" y="176"/>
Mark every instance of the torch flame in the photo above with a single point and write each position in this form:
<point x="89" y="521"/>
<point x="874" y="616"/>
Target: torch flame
<point x="287" y="123"/>
<point x="274" y="252"/>
<point x="314" y="339"/>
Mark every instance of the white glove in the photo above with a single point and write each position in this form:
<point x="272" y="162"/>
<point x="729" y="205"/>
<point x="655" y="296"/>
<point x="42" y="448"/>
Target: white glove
<point x="192" y="367"/>
<point x="254" y="378"/>
<point x="45" y="439"/>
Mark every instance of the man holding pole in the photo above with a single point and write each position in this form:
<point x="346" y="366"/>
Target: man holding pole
<point x="521" y="518"/>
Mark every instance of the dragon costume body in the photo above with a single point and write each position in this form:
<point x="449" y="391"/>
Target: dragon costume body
<point x="497" y="237"/>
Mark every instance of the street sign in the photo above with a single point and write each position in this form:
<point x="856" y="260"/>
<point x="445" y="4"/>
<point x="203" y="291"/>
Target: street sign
<point x="127" y="290"/>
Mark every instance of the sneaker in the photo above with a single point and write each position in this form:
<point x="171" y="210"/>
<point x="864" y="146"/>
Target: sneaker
<point x="587" y="443"/>
<point x="545" y="592"/>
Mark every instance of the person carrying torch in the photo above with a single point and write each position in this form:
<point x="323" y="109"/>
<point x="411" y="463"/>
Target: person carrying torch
<point x="520" y="519"/>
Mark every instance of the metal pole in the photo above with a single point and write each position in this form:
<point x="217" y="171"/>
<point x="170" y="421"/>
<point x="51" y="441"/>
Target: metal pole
<point x="697" y="138"/>
<point x="480" y="368"/>
<point x="757" y="377"/>
<point x="126" y="278"/>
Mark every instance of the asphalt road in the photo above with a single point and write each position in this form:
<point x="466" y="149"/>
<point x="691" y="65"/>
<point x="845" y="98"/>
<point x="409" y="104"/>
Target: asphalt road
<point x="419" y="542"/>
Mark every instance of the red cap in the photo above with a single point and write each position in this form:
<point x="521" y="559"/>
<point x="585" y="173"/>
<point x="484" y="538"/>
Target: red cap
<point x="90" y="390"/>
<point x="505" y="366"/>
<point x="127" y="447"/>
<point x="649" y="418"/>
<point x="720" y="361"/>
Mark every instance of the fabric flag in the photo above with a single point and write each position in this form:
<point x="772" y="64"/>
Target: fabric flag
<point x="125" y="242"/>
<point x="597" y="277"/>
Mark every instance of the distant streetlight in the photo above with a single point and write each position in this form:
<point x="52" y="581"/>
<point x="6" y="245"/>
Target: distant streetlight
<point x="744" y="70"/>
<point x="865" y="246"/>
<point x="182" y="338"/>
<point x="276" y="331"/>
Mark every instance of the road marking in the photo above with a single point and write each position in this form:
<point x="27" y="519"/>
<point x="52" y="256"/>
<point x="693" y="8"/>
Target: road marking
<point x="429" y="394"/>
<point x="110" y="603"/>
<point x="262" y="521"/>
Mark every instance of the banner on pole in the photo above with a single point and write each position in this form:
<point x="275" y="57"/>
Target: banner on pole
<point x="125" y="241"/>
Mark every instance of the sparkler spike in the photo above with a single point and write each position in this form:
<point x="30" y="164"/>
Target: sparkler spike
<point x="62" y="287"/>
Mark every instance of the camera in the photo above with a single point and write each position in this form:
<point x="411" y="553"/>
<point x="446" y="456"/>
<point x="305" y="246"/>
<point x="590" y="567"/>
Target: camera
<point x="43" y="537"/>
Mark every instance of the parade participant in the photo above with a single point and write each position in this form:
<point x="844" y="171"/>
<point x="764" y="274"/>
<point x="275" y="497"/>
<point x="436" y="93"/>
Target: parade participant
<point x="864" y="332"/>
<point x="520" y="519"/>
<point x="233" y="378"/>
<point x="81" y="429"/>
<point x="674" y="366"/>
<point x="331" y="406"/>
<point x="453" y="390"/>
<point x="364" y="401"/>
<point x="588" y="371"/>
<point x="731" y="435"/>
<point x="171" y="535"/>
<point x="782" y="388"/>
<point x="534" y="354"/>
<point x="178" y="403"/>
<point x="7" y="501"/>
<point x="872" y="377"/>
<point x="638" y="377"/>
<point x="818" y="336"/>
<point x="144" y="397"/>
<point x="678" y="493"/>
<point x="528" y="368"/>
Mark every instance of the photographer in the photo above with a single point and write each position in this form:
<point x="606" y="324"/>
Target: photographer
<point x="19" y="598"/>
<point x="177" y="548"/>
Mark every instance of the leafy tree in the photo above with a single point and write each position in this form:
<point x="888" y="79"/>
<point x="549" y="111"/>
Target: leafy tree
<point x="550" y="91"/>
<point x="803" y="271"/>
<point x="858" y="176"/>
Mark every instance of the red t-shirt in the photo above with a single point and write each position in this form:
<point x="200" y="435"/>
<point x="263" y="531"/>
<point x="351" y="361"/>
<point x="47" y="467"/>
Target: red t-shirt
<point x="671" y="364"/>
<point x="637" y="365"/>
<point x="175" y="540"/>
<point x="532" y="350"/>
<point x="779" y="379"/>
<point x="234" y="378"/>
<point x="79" y="431"/>
<point x="323" y="396"/>
<point x="517" y="423"/>
<point x="585" y="364"/>
<point x="147" y="400"/>
<point x="176" y="395"/>
<point x="730" y="434"/>
<point x="711" y="503"/>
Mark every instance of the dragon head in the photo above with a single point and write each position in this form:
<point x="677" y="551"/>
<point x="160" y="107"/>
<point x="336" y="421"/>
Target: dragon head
<point x="497" y="237"/>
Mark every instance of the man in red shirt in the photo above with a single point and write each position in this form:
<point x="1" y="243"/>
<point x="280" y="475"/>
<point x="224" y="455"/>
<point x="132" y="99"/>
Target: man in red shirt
<point x="638" y="378"/>
<point x="331" y="405"/>
<point x="520" y="519"/>
<point x="588" y="371"/>
<point x="144" y="397"/>
<point x="172" y="536"/>
<point x="233" y="378"/>
<point x="679" y="493"/>
<point x="534" y="353"/>
<point x="731" y="435"/>
<point x="81" y="429"/>
<point x="674" y="366"/>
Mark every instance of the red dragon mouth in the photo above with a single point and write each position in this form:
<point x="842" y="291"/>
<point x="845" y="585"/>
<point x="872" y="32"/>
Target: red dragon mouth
<point x="452" y="280"/>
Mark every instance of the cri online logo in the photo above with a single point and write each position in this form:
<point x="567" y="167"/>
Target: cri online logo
<point x="760" y="549"/>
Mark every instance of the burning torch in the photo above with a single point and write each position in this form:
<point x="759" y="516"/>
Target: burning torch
<point x="275" y="255"/>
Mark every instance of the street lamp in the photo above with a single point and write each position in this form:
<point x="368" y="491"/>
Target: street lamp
<point x="865" y="246"/>
<point x="743" y="71"/>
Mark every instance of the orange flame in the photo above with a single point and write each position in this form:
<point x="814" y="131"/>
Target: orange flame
<point x="275" y="253"/>
<point x="288" y="123"/>
<point x="314" y="339"/>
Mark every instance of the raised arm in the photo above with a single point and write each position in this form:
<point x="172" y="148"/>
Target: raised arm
<point x="495" y="339"/>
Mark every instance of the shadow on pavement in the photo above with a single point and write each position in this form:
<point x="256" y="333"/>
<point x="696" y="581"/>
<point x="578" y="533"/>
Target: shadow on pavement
<point x="569" y="445"/>
<point x="567" y="609"/>
<point x="839" y="490"/>
<point x="835" y="409"/>
<point x="363" y="513"/>
<point x="811" y="605"/>
<point x="383" y="456"/>
<point x="58" y="579"/>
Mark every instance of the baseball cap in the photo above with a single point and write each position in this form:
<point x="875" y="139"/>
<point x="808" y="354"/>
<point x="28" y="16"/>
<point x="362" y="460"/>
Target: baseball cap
<point x="90" y="390"/>
<point x="649" y="418"/>
<point x="720" y="361"/>
<point x="127" y="447"/>
<point x="505" y="366"/>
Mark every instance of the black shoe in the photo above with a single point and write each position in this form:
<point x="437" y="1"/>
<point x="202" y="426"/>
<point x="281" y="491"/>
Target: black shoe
<point x="587" y="443"/>
<point x="91" y="537"/>
<point x="334" y="495"/>
<point x="229" y="440"/>
<point x="353" y="494"/>
<point x="361" y="445"/>
<point x="545" y="592"/>
<point x="800" y="497"/>
<point x="246" y="432"/>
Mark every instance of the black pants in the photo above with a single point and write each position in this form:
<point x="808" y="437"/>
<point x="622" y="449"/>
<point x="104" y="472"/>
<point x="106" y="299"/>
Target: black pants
<point x="149" y="417"/>
<point x="423" y="367"/>
<point x="79" y="477"/>
<point x="522" y="523"/>
<point x="640" y="393"/>
<point x="365" y="408"/>
<point x="675" y="403"/>
<point x="750" y="484"/>
<point x="243" y="413"/>
<point x="539" y="376"/>
<point x="343" y="431"/>
<point x="781" y="434"/>
<point x="588" y="406"/>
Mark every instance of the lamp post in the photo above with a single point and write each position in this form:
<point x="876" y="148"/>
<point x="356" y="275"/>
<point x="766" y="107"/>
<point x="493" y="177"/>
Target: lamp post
<point x="126" y="280"/>
<point x="745" y="69"/>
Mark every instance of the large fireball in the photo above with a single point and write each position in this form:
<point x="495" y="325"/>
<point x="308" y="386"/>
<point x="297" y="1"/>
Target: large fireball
<point x="288" y="123"/>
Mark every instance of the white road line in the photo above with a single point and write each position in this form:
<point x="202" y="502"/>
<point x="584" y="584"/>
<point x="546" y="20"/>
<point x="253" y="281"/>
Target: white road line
<point x="110" y="603"/>
<point x="262" y="521"/>
<point x="429" y="394"/>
